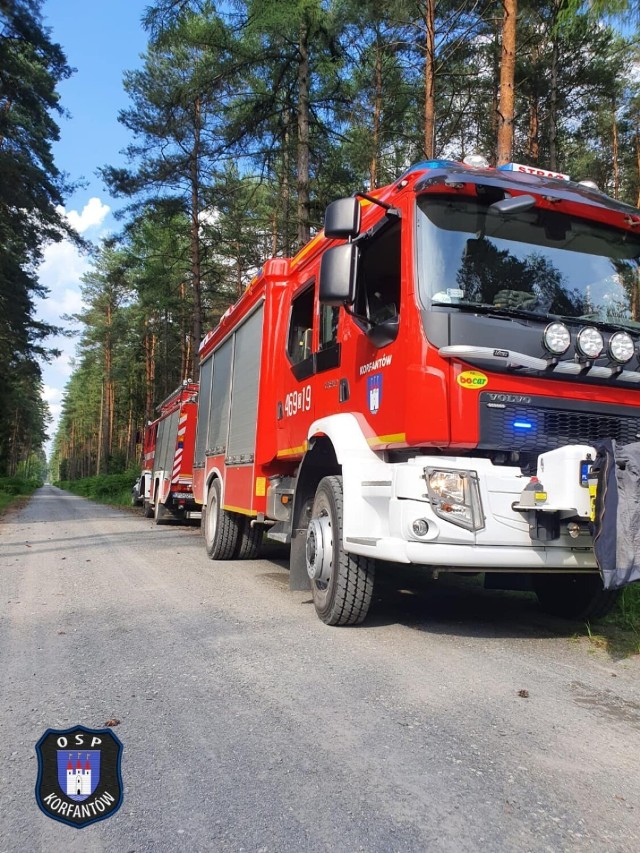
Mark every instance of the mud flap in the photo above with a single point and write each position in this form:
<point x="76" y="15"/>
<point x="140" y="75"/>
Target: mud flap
<point x="298" y="577"/>
<point x="616" y="527"/>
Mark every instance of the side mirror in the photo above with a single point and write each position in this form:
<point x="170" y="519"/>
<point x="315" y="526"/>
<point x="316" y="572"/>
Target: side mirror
<point x="384" y="333"/>
<point x="342" y="219"/>
<point x="338" y="270"/>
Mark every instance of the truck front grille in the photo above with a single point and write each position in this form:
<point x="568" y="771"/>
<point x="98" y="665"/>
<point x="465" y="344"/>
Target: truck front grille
<point x="524" y="423"/>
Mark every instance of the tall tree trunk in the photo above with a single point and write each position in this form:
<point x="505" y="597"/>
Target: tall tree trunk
<point x="100" y="429"/>
<point x="553" y="107"/>
<point x="304" y="231"/>
<point x="239" y="283"/>
<point x="130" y="440"/>
<point x="185" y="335"/>
<point x="430" y="81"/>
<point x="495" y="90"/>
<point x="615" y="144"/>
<point x="112" y="418"/>
<point x="285" y="188"/>
<point x="533" y="142"/>
<point x="149" y="371"/>
<point x="377" y="116"/>
<point x="196" y="273"/>
<point x="506" y="104"/>
<point x="107" y="391"/>
<point x="533" y="136"/>
<point x="13" y="459"/>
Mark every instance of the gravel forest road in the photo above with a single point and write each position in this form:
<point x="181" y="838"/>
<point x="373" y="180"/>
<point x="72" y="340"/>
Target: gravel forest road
<point x="248" y="725"/>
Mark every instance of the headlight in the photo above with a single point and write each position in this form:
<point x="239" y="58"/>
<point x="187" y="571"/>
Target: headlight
<point x="590" y="342"/>
<point x="556" y="338"/>
<point x="621" y="347"/>
<point x="455" y="496"/>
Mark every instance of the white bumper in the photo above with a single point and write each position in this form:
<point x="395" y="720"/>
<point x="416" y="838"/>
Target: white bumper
<point x="382" y="500"/>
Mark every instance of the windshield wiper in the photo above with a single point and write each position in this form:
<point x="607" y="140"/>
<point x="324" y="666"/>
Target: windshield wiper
<point x="494" y="310"/>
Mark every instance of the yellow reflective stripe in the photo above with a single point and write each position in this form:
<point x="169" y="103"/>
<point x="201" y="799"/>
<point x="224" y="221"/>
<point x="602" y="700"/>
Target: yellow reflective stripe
<point x="293" y="451"/>
<point x="239" y="509"/>
<point x="306" y="249"/>
<point x="396" y="438"/>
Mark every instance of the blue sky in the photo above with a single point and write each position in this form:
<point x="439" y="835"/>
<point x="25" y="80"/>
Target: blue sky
<point x="101" y="41"/>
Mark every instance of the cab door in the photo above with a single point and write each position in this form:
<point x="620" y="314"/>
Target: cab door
<point x="295" y="407"/>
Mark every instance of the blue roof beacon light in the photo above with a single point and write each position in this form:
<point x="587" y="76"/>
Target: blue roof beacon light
<point x="430" y="164"/>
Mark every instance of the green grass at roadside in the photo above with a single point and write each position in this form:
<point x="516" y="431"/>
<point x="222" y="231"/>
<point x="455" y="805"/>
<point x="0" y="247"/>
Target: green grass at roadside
<point x="15" y="490"/>
<point x="619" y="633"/>
<point x="628" y="610"/>
<point x="104" y="488"/>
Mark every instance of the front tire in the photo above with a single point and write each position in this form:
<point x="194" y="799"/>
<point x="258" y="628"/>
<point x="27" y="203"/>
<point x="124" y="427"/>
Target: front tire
<point x="221" y="529"/>
<point x="574" y="596"/>
<point x="147" y="509"/>
<point x="341" y="583"/>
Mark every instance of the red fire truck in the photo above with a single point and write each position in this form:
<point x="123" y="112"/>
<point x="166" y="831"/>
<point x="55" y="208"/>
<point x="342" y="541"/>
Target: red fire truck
<point x="168" y="454"/>
<point x="425" y="383"/>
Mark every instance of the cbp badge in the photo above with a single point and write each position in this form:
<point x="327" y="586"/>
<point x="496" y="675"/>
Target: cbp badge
<point x="79" y="778"/>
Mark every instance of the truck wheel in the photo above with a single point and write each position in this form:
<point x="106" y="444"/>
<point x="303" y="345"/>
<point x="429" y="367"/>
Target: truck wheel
<point x="574" y="596"/>
<point x="147" y="509"/>
<point x="221" y="529"/>
<point x="341" y="583"/>
<point x="249" y="540"/>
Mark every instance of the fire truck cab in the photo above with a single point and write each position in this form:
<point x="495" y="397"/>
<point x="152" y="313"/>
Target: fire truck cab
<point x="141" y="492"/>
<point x="426" y="382"/>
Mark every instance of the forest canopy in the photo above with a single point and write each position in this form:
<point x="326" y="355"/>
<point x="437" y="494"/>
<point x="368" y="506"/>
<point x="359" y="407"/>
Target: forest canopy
<point x="247" y="117"/>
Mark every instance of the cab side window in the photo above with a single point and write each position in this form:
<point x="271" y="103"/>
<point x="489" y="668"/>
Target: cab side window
<point x="329" y="316"/>
<point x="301" y="327"/>
<point x="378" y="289"/>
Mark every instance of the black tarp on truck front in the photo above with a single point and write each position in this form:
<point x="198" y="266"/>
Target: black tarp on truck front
<point x="616" y="529"/>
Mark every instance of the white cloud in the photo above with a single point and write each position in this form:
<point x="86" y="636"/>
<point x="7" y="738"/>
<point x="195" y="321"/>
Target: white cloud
<point x="93" y="215"/>
<point x="51" y="395"/>
<point x="63" y="265"/>
<point x="53" y="398"/>
<point x="62" y="366"/>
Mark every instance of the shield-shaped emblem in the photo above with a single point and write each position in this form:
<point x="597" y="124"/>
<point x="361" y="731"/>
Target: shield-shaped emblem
<point x="374" y="390"/>
<point x="79" y="775"/>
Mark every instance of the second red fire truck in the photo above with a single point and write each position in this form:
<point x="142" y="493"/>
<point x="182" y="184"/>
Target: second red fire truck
<point x="166" y="483"/>
<point x="426" y="382"/>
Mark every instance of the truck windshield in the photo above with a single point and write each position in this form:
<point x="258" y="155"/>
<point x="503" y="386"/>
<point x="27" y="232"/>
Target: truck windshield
<point x="538" y="262"/>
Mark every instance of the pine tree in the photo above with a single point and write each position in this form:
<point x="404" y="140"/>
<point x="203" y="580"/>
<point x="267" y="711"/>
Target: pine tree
<point x="31" y="188"/>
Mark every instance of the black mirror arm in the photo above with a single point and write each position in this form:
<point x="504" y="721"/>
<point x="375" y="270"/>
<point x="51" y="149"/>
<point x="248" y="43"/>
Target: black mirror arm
<point x="391" y="210"/>
<point x="367" y="322"/>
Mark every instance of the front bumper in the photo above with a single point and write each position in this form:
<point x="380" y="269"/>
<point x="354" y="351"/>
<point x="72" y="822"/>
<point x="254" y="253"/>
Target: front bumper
<point x="381" y="514"/>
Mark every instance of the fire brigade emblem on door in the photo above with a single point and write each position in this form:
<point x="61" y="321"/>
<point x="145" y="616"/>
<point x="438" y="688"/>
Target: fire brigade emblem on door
<point x="374" y="392"/>
<point x="79" y="776"/>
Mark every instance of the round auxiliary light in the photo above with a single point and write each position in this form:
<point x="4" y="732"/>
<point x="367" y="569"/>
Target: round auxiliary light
<point x="590" y="342"/>
<point x="621" y="347"/>
<point x="557" y="338"/>
<point x="420" y="527"/>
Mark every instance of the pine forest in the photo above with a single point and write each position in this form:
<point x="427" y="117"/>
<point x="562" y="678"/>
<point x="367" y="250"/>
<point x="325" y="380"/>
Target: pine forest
<point x="245" y="119"/>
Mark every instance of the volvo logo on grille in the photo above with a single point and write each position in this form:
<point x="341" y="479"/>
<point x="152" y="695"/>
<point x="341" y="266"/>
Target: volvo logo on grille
<point x="510" y="398"/>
